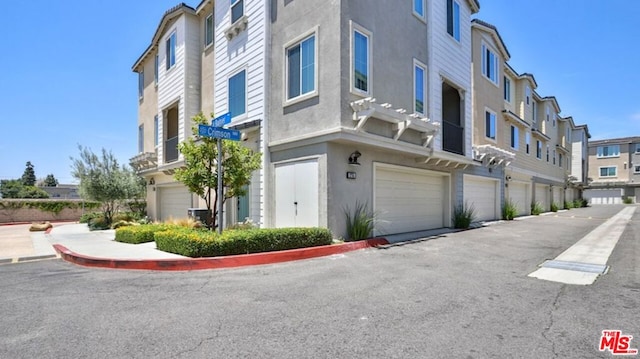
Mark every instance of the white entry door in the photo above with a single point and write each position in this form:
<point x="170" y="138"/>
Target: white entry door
<point x="296" y="194"/>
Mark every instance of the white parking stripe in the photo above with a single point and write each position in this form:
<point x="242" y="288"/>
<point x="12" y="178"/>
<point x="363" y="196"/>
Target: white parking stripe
<point x="594" y="248"/>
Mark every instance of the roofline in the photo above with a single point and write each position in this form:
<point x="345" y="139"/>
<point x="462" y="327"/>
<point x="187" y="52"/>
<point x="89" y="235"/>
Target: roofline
<point x="530" y="77"/>
<point x="168" y="15"/>
<point x="619" y="140"/>
<point x="554" y="101"/>
<point x="487" y="27"/>
<point x="584" y="127"/>
<point x="475" y="6"/>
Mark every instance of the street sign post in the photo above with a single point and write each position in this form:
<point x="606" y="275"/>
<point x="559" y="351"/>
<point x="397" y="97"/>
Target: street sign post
<point x="218" y="132"/>
<point x="221" y="120"/>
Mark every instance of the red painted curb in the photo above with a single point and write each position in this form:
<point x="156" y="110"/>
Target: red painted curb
<point x="216" y="262"/>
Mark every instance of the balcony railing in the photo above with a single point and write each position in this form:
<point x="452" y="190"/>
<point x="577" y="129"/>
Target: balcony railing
<point x="171" y="149"/>
<point x="452" y="138"/>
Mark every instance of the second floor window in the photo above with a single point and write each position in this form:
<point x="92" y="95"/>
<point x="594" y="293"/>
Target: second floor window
<point x="418" y="8"/>
<point x="608" y="171"/>
<point x="527" y="138"/>
<point x="515" y="137"/>
<point x="490" y="125"/>
<point x="208" y="30"/>
<point x="171" y="51"/>
<point x="638" y="148"/>
<point x="140" y="138"/>
<point x="547" y="153"/>
<point x="237" y="10"/>
<point x="507" y="89"/>
<point x="360" y="61"/>
<point x="238" y="94"/>
<point x="539" y="149"/>
<point x="141" y="84"/>
<point x="156" y="69"/>
<point x="453" y="19"/>
<point x="156" y="131"/>
<point x="301" y="59"/>
<point x="608" y="151"/>
<point x="418" y="91"/>
<point x="527" y="94"/>
<point x="489" y="64"/>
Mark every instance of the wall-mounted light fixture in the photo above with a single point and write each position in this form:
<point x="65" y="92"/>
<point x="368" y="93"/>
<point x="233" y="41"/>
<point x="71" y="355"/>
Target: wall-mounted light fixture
<point x="353" y="158"/>
<point x="152" y="182"/>
<point x="508" y="178"/>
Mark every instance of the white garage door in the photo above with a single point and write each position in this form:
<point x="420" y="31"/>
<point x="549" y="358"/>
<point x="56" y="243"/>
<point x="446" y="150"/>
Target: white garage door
<point x="557" y="197"/>
<point x="519" y="195"/>
<point x="569" y="195"/>
<point x="542" y="196"/>
<point x="603" y="196"/>
<point x="297" y="194"/>
<point x="408" y="200"/>
<point x="174" y="202"/>
<point x="482" y="194"/>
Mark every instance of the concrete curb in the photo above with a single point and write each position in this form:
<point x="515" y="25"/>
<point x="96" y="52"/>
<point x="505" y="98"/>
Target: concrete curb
<point x="216" y="262"/>
<point x="27" y="259"/>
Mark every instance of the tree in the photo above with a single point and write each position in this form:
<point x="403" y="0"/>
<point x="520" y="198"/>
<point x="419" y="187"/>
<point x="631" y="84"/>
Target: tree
<point x="15" y="189"/>
<point x="200" y="174"/>
<point x="50" y="181"/>
<point x="103" y="180"/>
<point x="29" y="175"/>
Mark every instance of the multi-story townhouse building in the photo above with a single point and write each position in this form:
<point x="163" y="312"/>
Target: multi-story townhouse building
<point x="578" y="137"/>
<point x="365" y="110"/>
<point x="614" y="170"/>
<point x="169" y="73"/>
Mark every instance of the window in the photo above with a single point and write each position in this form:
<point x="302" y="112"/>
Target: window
<point x="636" y="169"/>
<point x="418" y="87"/>
<point x="141" y="138"/>
<point x="534" y="110"/>
<point x="637" y="147"/>
<point x="301" y="72"/>
<point x="156" y="133"/>
<point x="554" y="119"/>
<point x="527" y="95"/>
<point x="515" y="137"/>
<point x="538" y="149"/>
<point x="608" y="171"/>
<point x="171" y="50"/>
<point x="489" y="64"/>
<point x="361" y="61"/>
<point x="156" y="69"/>
<point x="527" y="137"/>
<point x="141" y="84"/>
<point x="453" y="19"/>
<point x="554" y="157"/>
<point x="418" y="8"/>
<point x="507" y="89"/>
<point x="560" y="160"/>
<point x="238" y="94"/>
<point x="547" y="153"/>
<point x="547" y="108"/>
<point x="608" y="151"/>
<point x="490" y="125"/>
<point x="237" y="10"/>
<point x="568" y="136"/>
<point x="208" y="30"/>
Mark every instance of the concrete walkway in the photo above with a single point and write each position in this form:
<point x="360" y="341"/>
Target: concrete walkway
<point x="17" y="244"/>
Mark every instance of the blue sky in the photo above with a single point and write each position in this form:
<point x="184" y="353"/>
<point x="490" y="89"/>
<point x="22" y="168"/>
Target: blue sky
<point x="68" y="78"/>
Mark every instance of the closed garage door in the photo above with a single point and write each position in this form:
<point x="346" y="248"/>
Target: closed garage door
<point x="603" y="196"/>
<point x="482" y="194"/>
<point x="174" y="202"/>
<point x="569" y="195"/>
<point x="542" y="196"/>
<point x="519" y="195"/>
<point x="408" y="200"/>
<point x="557" y="197"/>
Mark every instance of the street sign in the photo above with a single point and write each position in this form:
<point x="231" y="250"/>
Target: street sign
<point x="218" y="132"/>
<point x="221" y="120"/>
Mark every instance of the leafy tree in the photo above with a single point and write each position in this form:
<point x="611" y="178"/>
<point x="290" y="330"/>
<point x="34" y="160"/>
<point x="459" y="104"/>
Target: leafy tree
<point x="50" y="181"/>
<point x="11" y="188"/>
<point x="32" y="192"/>
<point x="103" y="180"/>
<point x="29" y="175"/>
<point x="200" y="171"/>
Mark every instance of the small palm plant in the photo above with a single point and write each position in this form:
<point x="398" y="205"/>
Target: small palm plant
<point x="536" y="208"/>
<point x="510" y="210"/>
<point x="360" y="222"/>
<point x="463" y="215"/>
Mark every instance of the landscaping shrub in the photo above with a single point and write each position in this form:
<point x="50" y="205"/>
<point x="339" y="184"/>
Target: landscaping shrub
<point x="85" y="218"/>
<point x="247" y="224"/>
<point x="536" y="208"/>
<point x="200" y="243"/>
<point x="554" y="207"/>
<point x="463" y="215"/>
<point x="509" y="211"/>
<point x="139" y="233"/>
<point x="126" y="216"/>
<point x="568" y="205"/>
<point x="580" y="203"/>
<point x="99" y="223"/>
<point x="359" y="222"/>
<point x="627" y="200"/>
<point x="184" y="222"/>
<point x="120" y="224"/>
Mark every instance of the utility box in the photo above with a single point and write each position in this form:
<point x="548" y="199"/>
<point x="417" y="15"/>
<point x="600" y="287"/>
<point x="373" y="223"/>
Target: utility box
<point x="199" y="214"/>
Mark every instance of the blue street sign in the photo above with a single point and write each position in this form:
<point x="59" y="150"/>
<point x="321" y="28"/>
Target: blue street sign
<point x="221" y="120"/>
<point x="218" y="132"/>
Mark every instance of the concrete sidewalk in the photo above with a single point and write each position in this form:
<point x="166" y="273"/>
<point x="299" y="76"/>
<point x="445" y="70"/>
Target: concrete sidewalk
<point x="17" y="244"/>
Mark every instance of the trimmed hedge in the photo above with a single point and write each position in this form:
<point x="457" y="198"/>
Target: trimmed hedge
<point x="139" y="234"/>
<point x="198" y="243"/>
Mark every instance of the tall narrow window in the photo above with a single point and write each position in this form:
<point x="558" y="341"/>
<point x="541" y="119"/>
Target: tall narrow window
<point x="156" y="132"/>
<point x="547" y="153"/>
<point x="301" y="73"/>
<point x="534" y="111"/>
<point x="141" y="138"/>
<point x="515" y="137"/>
<point x="238" y="94"/>
<point x="237" y="10"/>
<point x="208" y="30"/>
<point x="171" y="50"/>
<point x="554" y="156"/>
<point x="560" y="160"/>
<point x="360" y="61"/>
<point x="418" y="88"/>
<point x="527" y="137"/>
<point x="527" y="94"/>
<point x="156" y="69"/>
<point x="547" y="108"/>
<point x="490" y="125"/>
<point x="489" y="64"/>
<point x="418" y="8"/>
<point x="507" y="89"/>
<point x="453" y="19"/>
<point x="141" y="84"/>
<point x="538" y="149"/>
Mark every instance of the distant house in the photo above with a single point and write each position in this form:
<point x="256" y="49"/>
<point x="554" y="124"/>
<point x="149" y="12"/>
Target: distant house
<point x="614" y="167"/>
<point x="63" y="191"/>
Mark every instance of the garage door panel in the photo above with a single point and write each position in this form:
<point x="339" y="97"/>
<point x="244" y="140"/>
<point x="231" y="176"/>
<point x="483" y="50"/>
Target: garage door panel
<point x="482" y="194"/>
<point x="174" y="202"/>
<point x="542" y="196"/>
<point x="518" y="196"/>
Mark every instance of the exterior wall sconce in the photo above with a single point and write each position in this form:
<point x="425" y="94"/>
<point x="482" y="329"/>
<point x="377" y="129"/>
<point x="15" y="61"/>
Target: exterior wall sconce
<point x="152" y="182"/>
<point x="353" y="158"/>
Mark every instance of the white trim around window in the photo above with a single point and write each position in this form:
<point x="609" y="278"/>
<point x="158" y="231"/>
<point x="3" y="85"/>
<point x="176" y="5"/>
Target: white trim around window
<point x="232" y="75"/>
<point x="490" y="64"/>
<point x="527" y="137"/>
<point x="304" y="43"/>
<point x="636" y="169"/>
<point x="637" y="148"/>
<point x="538" y="149"/>
<point x="209" y="31"/>
<point x="420" y="9"/>
<point x="419" y="94"/>
<point x="507" y="88"/>
<point x="515" y="137"/>
<point x="490" y="125"/>
<point x="359" y="32"/>
<point x="170" y="50"/>
<point x="608" y="151"/>
<point x="608" y="172"/>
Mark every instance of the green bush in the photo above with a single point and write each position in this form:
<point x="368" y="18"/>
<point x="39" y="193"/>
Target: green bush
<point x="627" y="200"/>
<point x="463" y="215"/>
<point x="201" y="243"/>
<point x="554" y="207"/>
<point x="568" y="204"/>
<point x="126" y="216"/>
<point x="580" y="203"/>
<point x="536" y="208"/>
<point x="139" y="233"/>
<point x="509" y="211"/>
<point x="120" y="224"/>
<point x="85" y="218"/>
<point x="99" y="223"/>
<point x="359" y="222"/>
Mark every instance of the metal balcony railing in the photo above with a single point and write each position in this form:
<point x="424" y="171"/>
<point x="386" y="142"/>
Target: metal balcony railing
<point x="452" y="138"/>
<point x="171" y="149"/>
